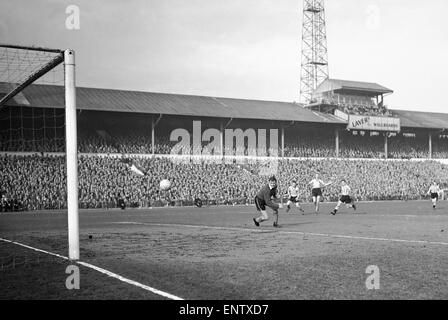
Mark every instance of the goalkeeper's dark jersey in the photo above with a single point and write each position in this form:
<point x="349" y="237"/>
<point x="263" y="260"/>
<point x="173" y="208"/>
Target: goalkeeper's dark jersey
<point x="266" y="194"/>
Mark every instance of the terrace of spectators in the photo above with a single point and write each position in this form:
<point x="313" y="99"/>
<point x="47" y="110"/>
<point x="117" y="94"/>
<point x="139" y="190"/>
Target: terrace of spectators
<point x="117" y="121"/>
<point x="351" y="97"/>
<point x="124" y="122"/>
<point x="38" y="182"/>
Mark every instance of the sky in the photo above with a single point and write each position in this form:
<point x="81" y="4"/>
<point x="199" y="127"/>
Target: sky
<point x="247" y="49"/>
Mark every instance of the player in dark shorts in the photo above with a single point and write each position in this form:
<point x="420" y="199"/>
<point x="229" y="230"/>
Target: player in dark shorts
<point x="264" y="199"/>
<point x="345" y="198"/>
<point x="316" y="191"/>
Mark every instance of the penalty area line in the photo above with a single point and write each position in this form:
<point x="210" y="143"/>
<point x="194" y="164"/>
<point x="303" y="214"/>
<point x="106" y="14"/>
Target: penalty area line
<point x="288" y="232"/>
<point x="100" y="270"/>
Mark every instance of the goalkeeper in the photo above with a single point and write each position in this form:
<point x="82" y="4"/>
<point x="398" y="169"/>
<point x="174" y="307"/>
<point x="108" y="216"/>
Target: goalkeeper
<point x="264" y="199"/>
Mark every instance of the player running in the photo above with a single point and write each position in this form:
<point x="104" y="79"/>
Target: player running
<point x="264" y="198"/>
<point x="317" y="185"/>
<point x="345" y="198"/>
<point x="434" y="191"/>
<point x="293" y="195"/>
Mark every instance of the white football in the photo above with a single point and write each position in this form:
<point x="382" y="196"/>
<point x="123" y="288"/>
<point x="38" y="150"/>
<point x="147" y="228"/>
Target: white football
<point x="165" y="184"/>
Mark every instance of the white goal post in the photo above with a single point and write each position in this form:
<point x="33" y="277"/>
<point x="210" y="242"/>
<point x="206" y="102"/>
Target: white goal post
<point x="71" y="154"/>
<point x="21" y="66"/>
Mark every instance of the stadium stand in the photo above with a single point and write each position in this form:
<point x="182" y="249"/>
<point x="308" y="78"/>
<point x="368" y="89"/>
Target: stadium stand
<point x="352" y="97"/>
<point x="34" y="182"/>
<point x="114" y="122"/>
<point x="303" y="145"/>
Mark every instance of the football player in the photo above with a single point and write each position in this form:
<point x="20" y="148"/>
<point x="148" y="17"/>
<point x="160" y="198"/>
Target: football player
<point x="264" y="199"/>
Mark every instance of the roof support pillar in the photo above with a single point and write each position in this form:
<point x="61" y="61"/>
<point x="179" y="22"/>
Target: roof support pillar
<point x="336" y="136"/>
<point x="152" y="136"/>
<point x="386" y="139"/>
<point x="283" y="141"/>
<point x="430" y="146"/>
<point x="221" y="140"/>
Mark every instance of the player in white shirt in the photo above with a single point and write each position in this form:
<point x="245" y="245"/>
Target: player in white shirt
<point x="434" y="191"/>
<point x="317" y="186"/>
<point x="345" y="198"/>
<point x="293" y="195"/>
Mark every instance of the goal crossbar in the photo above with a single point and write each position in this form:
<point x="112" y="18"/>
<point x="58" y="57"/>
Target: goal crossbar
<point x="51" y="64"/>
<point x="13" y="46"/>
<point x="33" y="77"/>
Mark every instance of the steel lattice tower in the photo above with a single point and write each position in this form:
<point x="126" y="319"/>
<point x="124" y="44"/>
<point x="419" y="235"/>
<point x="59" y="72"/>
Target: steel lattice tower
<point x="314" y="49"/>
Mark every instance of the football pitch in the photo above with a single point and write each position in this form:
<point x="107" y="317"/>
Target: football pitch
<point x="216" y="253"/>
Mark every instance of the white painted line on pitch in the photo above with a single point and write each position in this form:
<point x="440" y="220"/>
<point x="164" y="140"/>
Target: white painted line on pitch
<point x="34" y="249"/>
<point x="132" y="282"/>
<point x="288" y="232"/>
<point x="101" y="270"/>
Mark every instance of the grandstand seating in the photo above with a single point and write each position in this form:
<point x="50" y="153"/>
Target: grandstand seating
<point x="35" y="181"/>
<point x="304" y="146"/>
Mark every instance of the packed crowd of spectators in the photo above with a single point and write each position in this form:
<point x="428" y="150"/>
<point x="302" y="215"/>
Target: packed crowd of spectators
<point x="409" y="148"/>
<point x="355" y="105"/>
<point x="35" y="182"/>
<point x="93" y="143"/>
<point x="362" y="147"/>
<point x="10" y="204"/>
<point x="301" y="146"/>
<point x="440" y="148"/>
<point x="15" y="142"/>
<point x="130" y="143"/>
<point x="39" y="182"/>
<point x="375" y="111"/>
<point x="311" y="147"/>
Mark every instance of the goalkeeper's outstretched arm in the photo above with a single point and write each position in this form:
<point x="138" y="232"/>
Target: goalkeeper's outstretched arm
<point x="137" y="170"/>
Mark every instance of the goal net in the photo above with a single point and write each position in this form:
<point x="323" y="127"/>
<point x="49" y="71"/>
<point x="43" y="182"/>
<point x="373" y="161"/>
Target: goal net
<point x="38" y="114"/>
<point x="23" y="127"/>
